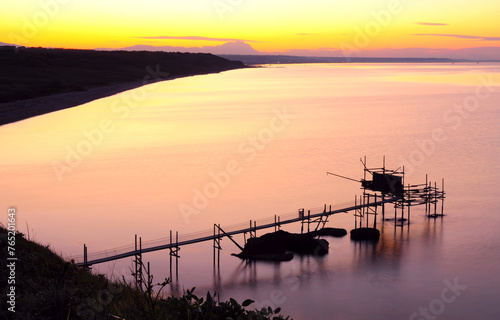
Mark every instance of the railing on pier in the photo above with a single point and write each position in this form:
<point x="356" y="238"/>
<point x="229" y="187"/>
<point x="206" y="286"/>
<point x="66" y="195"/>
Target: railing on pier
<point x="209" y="234"/>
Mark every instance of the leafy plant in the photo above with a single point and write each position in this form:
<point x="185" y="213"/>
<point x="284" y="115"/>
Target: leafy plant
<point x="192" y="307"/>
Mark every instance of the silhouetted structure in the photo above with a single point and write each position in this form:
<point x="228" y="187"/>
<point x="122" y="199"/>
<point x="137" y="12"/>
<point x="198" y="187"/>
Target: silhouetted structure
<point x="385" y="186"/>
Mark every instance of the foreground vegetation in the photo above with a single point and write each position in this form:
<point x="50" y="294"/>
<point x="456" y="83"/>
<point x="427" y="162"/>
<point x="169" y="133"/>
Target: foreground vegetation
<point x="48" y="287"/>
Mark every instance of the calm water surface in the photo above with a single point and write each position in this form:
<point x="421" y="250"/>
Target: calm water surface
<point x="248" y="144"/>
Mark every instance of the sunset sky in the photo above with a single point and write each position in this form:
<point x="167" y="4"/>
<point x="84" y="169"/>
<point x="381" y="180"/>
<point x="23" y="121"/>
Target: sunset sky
<point x="322" y="27"/>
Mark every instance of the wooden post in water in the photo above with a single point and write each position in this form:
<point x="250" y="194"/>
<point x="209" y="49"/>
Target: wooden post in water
<point x="426" y="195"/>
<point x="409" y="204"/>
<point x="402" y="212"/>
<point x="435" y="198"/>
<point x="220" y="247"/>
<point x="403" y="200"/>
<point x="308" y="220"/>
<point x="139" y="262"/>
<point x="301" y="216"/>
<point x="177" y="256"/>
<point x="135" y="274"/>
<point x="214" y="245"/>
<point x="253" y="229"/>
<point x="395" y="213"/>
<point x="383" y="207"/>
<point x="367" y="212"/>
<point x="383" y="194"/>
<point x="355" y="212"/>
<point x="217" y="246"/>
<point x="361" y="211"/>
<point x="430" y="198"/>
<point x="170" y="254"/>
<point x="85" y="259"/>
<point x="442" y="197"/>
<point x="362" y="201"/>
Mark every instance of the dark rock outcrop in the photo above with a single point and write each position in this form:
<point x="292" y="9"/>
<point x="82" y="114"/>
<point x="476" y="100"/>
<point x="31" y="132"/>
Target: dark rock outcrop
<point x="371" y="234"/>
<point x="278" y="246"/>
<point x="332" y="232"/>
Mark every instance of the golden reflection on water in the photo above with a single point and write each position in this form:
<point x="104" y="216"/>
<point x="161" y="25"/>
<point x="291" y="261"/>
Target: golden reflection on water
<point x="130" y="160"/>
<point x="127" y="167"/>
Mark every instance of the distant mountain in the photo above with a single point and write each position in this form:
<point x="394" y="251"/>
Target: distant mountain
<point x="333" y="54"/>
<point x="235" y="47"/>
<point x="2" y="44"/>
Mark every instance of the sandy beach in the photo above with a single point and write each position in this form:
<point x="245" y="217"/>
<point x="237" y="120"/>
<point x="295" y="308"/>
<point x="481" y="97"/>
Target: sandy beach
<point x="20" y="110"/>
<point x="24" y="109"/>
<point x="37" y="81"/>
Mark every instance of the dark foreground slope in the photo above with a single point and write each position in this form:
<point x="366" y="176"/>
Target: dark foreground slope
<point x="28" y="73"/>
<point x="45" y="286"/>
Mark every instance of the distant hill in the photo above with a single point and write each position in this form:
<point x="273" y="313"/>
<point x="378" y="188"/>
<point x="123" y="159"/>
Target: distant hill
<point x="275" y="59"/>
<point x="33" y="72"/>
<point x="233" y="47"/>
<point x="414" y="54"/>
<point x="8" y="44"/>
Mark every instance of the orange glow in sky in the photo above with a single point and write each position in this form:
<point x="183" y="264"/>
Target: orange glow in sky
<point x="276" y="26"/>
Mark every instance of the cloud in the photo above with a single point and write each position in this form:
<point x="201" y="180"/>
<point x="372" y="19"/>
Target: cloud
<point x="315" y="34"/>
<point x="197" y="38"/>
<point x="461" y="36"/>
<point x="431" y="24"/>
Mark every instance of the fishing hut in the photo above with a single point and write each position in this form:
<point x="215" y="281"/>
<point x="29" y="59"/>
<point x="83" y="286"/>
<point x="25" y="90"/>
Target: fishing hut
<point x="380" y="184"/>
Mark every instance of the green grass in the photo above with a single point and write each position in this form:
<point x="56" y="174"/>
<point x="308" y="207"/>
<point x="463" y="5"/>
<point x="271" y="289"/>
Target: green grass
<point x="48" y="287"/>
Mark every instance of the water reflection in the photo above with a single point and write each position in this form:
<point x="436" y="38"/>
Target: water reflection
<point x="433" y="230"/>
<point x="380" y="262"/>
<point x="189" y="128"/>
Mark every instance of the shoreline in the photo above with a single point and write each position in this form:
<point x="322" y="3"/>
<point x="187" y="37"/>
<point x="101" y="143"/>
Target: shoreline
<point x="11" y="112"/>
<point x="15" y="111"/>
<point x="37" y="81"/>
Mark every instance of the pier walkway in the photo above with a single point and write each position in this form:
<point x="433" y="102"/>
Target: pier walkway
<point x="317" y="216"/>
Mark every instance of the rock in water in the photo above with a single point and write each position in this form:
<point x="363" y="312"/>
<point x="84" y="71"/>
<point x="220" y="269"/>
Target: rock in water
<point x="372" y="234"/>
<point x="278" y="246"/>
<point x="332" y="232"/>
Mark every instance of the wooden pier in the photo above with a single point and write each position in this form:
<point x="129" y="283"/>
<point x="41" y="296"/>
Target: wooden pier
<point x="385" y="187"/>
<point x="140" y="247"/>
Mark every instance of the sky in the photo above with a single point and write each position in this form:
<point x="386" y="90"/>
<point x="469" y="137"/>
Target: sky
<point x="315" y="27"/>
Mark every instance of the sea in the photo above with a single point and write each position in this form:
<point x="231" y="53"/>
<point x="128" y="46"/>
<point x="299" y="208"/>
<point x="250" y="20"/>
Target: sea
<point x="245" y="146"/>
